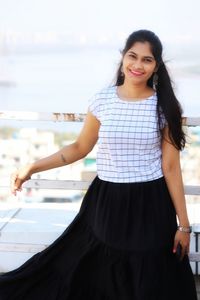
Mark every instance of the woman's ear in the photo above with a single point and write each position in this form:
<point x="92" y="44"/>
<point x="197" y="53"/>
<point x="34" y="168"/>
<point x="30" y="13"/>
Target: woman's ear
<point x="155" y="70"/>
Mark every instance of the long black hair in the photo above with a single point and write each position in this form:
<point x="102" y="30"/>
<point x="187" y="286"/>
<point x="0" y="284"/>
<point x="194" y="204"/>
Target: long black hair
<point x="167" y="101"/>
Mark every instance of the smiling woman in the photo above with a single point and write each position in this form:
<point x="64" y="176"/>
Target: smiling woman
<point x="138" y="65"/>
<point x="122" y="244"/>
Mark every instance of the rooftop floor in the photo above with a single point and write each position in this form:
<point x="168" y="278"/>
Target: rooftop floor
<point x="26" y="229"/>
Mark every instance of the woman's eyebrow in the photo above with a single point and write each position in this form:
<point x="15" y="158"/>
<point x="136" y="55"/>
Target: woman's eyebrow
<point x="144" y="56"/>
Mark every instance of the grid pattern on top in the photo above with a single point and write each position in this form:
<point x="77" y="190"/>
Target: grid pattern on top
<point x="129" y="142"/>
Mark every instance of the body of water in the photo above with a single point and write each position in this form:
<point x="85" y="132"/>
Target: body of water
<point x="65" y="81"/>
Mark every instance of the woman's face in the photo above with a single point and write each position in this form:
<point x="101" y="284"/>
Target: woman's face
<point x="138" y="63"/>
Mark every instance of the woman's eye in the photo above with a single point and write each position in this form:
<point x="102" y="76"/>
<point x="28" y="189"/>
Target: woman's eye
<point x="132" y="56"/>
<point x="148" y="60"/>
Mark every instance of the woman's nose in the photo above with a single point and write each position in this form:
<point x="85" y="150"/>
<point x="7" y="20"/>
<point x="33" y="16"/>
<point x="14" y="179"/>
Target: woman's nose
<point x="137" y="64"/>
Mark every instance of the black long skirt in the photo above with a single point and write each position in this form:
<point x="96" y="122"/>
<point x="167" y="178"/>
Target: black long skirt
<point x="118" y="247"/>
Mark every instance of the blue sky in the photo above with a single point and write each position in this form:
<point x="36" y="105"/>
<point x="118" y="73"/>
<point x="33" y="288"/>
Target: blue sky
<point x="172" y="20"/>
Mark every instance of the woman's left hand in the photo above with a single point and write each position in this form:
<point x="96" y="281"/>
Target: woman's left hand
<point x="184" y="239"/>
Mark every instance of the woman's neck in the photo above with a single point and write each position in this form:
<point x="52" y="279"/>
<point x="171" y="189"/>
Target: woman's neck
<point x="134" y="91"/>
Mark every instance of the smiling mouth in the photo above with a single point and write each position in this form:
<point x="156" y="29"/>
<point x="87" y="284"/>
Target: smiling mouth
<point x="136" y="73"/>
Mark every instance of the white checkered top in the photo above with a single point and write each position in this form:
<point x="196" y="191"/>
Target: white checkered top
<point x="129" y="142"/>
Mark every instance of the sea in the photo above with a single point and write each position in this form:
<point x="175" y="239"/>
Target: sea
<point x="64" y="81"/>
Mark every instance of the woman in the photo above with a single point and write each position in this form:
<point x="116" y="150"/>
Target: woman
<point x="125" y="242"/>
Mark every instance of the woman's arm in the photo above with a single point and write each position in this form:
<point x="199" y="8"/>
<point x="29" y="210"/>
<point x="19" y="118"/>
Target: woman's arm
<point x="67" y="155"/>
<point x="173" y="176"/>
<point x="73" y="152"/>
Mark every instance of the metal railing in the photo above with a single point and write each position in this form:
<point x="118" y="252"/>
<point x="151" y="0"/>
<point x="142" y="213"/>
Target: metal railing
<point x="82" y="185"/>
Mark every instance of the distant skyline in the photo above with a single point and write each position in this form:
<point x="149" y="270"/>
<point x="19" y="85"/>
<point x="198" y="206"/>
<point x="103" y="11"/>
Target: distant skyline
<point x="173" y="20"/>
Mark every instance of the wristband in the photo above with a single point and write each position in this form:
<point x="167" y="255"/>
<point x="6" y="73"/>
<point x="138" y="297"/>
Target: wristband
<point x="187" y="229"/>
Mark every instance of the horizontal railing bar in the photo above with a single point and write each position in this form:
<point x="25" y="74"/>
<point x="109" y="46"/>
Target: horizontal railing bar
<point x="81" y="185"/>
<point x="57" y="184"/>
<point x="66" y="117"/>
<point x="192" y="189"/>
<point x="194" y="256"/>
<point x="191" y="121"/>
<point x="41" y="116"/>
<point x="53" y="184"/>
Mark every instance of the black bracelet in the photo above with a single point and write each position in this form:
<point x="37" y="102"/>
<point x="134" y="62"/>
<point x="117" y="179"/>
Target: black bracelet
<point x="187" y="229"/>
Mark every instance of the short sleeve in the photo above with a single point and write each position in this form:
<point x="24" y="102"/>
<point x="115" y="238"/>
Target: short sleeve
<point x="94" y="106"/>
<point x="98" y="104"/>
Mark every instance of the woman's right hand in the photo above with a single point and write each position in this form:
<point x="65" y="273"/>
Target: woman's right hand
<point x="18" y="178"/>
